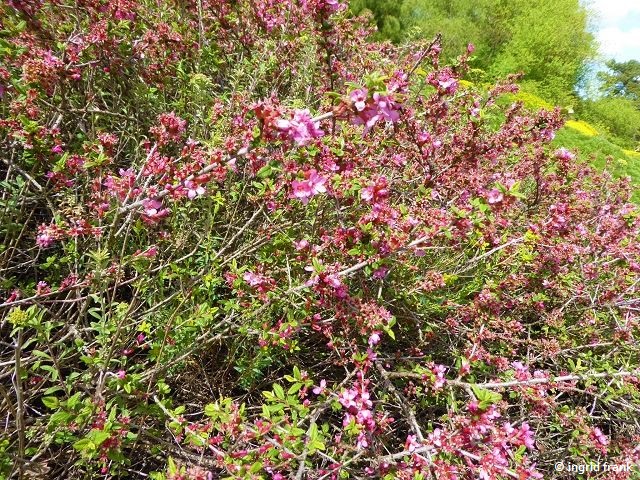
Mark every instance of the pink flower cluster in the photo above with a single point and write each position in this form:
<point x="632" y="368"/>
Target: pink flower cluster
<point x="154" y="211"/>
<point x="301" y="128"/>
<point x="48" y="234"/>
<point x="357" y="402"/>
<point x="312" y="185"/>
<point x="378" y="191"/>
<point x="369" y="110"/>
<point x="170" y="128"/>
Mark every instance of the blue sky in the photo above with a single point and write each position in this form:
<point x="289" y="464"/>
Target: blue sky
<point x="617" y="28"/>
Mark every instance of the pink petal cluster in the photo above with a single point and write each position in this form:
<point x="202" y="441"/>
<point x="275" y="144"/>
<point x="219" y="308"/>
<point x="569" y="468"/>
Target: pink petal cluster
<point x="447" y="83"/>
<point x="494" y="196"/>
<point x="48" y="234"/>
<point x="154" y="211"/>
<point x="253" y="279"/>
<point x="312" y="185"/>
<point x="193" y="189"/>
<point x="301" y="128"/>
<point x="564" y="154"/>
<point x="371" y="110"/>
<point x="376" y="192"/>
<point x="321" y="388"/>
<point x="356" y="401"/>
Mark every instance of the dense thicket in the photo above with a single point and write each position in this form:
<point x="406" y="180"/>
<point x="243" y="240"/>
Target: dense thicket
<point x="241" y="241"/>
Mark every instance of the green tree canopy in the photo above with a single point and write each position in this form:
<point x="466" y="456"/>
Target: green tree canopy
<point x="622" y="80"/>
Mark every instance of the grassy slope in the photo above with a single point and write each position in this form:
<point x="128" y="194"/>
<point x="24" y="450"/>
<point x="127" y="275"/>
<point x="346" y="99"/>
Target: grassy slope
<point x="592" y="144"/>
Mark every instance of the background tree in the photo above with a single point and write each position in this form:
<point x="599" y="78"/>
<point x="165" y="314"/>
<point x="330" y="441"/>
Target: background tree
<point x="387" y="15"/>
<point x="548" y="40"/>
<point x="622" y="80"/>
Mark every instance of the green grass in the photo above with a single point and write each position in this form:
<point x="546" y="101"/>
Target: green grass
<point x="597" y="149"/>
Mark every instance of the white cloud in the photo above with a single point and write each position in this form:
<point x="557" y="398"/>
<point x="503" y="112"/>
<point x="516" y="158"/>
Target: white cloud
<point x="617" y="27"/>
<point x="611" y="12"/>
<point x="618" y="44"/>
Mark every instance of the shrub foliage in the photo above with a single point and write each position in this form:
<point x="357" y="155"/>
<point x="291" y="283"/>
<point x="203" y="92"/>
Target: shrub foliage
<point x="239" y="241"/>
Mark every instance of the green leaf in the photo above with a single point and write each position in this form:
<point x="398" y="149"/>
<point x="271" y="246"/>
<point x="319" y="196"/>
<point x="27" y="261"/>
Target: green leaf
<point x="84" y="444"/>
<point x="98" y="436"/>
<point x="485" y="397"/>
<point x="313" y="432"/>
<point x="279" y="391"/>
<point x="51" y="402"/>
<point x="294" y="388"/>
<point x="171" y="466"/>
<point x="212" y="410"/>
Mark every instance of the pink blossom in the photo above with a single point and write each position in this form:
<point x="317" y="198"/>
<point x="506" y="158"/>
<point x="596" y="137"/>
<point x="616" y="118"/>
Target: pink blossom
<point x="411" y="443"/>
<point x="42" y="288"/>
<point x="374" y="338"/>
<point x="121" y="374"/>
<point x="387" y="107"/>
<point x="154" y="211"/>
<point x="449" y="85"/>
<point x="380" y="273"/>
<point x="362" y="441"/>
<point x="332" y="5"/>
<point x="333" y="280"/>
<point x="253" y="279"/>
<point x="194" y="190"/>
<point x="320" y="389"/>
<point x="347" y="398"/>
<point x="48" y="234"/>
<point x="301" y="128"/>
<point x="312" y="185"/>
<point x="439" y="371"/>
<point x="300" y="245"/>
<point x="359" y="98"/>
<point x="495" y="196"/>
<point x="564" y="154"/>
<point x="526" y="435"/>
<point x="600" y="437"/>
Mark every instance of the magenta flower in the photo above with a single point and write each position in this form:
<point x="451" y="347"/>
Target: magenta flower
<point x="359" y="98"/>
<point x="320" y="389"/>
<point x="387" y="107"/>
<point x="347" y="398"/>
<point x="301" y="128"/>
<point x="253" y="279"/>
<point x="121" y="374"/>
<point x="312" y="185"/>
<point x="411" y="443"/>
<point x="448" y="85"/>
<point x="300" y="245"/>
<point x="380" y="273"/>
<point x="193" y="189"/>
<point x="153" y="211"/>
<point x="48" y="234"/>
<point x="374" y="339"/>
<point x="564" y="154"/>
<point x="42" y="288"/>
<point x="597" y="435"/>
<point x="526" y="434"/>
<point x="332" y="5"/>
<point x="494" y="196"/>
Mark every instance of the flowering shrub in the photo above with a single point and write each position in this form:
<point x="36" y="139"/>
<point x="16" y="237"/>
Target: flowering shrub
<point x="240" y="241"/>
